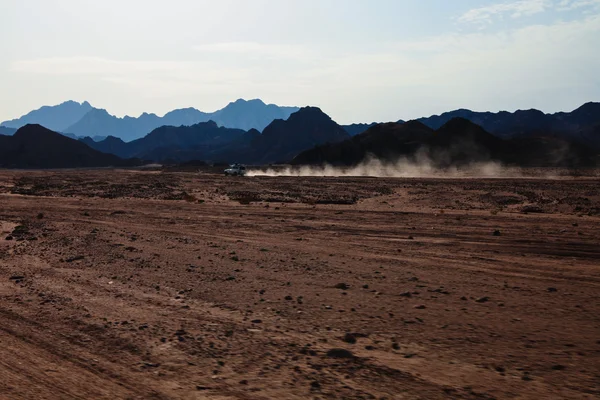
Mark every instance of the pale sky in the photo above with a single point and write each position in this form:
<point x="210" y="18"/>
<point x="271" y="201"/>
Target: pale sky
<point x="359" y="60"/>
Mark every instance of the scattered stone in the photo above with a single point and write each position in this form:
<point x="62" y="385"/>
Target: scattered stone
<point x="406" y="294"/>
<point x="289" y="298"/>
<point x="558" y="367"/>
<point x="315" y="385"/>
<point x="349" y="338"/>
<point x="76" y="258"/>
<point x="340" y="353"/>
<point x="257" y="321"/>
<point x="9" y="238"/>
<point x="16" y="278"/>
<point x="483" y="300"/>
<point x="496" y="233"/>
<point x="365" y="286"/>
<point x="420" y="307"/>
<point x="342" y="286"/>
<point x="243" y="382"/>
<point x="552" y="290"/>
<point x="199" y="387"/>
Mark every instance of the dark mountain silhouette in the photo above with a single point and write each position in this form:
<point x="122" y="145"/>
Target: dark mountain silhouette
<point x="34" y="146"/>
<point x="283" y="140"/>
<point x="356" y="129"/>
<point x="457" y="142"/>
<point x="56" y="118"/>
<point x="573" y="126"/>
<point x="110" y="145"/>
<point x="170" y="142"/>
<point x="280" y="141"/>
<point x="386" y="141"/>
<point x="242" y="114"/>
<point x="7" y="131"/>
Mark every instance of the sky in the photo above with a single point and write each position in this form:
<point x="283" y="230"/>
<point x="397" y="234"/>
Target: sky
<point x="359" y="60"/>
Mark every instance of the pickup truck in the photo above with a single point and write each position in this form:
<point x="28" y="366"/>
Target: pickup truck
<point x="235" y="170"/>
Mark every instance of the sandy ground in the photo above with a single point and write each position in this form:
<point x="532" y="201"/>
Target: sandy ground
<point x="149" y="285"/>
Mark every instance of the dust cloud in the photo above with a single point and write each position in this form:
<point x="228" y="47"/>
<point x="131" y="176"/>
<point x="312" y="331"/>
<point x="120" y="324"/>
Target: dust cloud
<point x="403" y="168"/>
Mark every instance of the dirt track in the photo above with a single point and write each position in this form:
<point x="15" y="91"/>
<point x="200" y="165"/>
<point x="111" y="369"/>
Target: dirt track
<point x="120" y="284"/>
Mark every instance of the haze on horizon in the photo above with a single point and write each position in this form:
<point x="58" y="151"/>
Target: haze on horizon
<point x="359" y="60"/>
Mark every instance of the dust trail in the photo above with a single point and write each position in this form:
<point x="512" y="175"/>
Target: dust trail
<point x="403" y="168"/>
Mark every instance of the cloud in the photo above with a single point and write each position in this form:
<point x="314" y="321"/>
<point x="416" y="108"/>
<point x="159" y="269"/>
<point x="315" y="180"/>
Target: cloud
<point x="515" y="9"/>
<point x="256" y="49"/>
<point x="474" y="69"/>
<point x="568" y="5"/>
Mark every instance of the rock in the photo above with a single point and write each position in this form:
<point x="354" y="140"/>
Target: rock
<point x="558" y="367"/>
<point x="365" y="286"/>
<point x="406" y="294"/>
<point x="289" y="298"/>
<point x="496" y="233"/>
<point x="340" y="353"/>
<point x="483" y="300"/>
<point x="420" y="307"/>
<point x="552" y="290"/>
<point x="9" y="238"/>
<point x="531" y="209"/>
<point x="16" y="278"/>
<point x="257" y="321"/>
<point x="199" y="387"/>
<point x="342" y="286"/>
<point x="315" y="385"/>
<point x="76" y="258"/>
<point x="349" y="338"/>
<point x="243" y="382"/>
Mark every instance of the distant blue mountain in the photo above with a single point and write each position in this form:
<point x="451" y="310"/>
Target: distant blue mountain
<point x="77" y="120"/>
<point x="241" y="114"/>
<point x="56" y="118"/>
<point x="7" y="131"/>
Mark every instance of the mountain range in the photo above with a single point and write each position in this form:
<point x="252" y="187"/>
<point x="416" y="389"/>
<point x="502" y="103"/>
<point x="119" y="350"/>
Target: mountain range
<point x="309" y="136"/>
<point x="578" y="125"/>
<point x="82" y="120"/>
<point x="459" y="141"/>
<point x="57" y="118"/>
<point x="280" y="141"/>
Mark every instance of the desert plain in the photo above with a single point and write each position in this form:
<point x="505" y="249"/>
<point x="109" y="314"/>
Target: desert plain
<point x="189" y="285"/>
